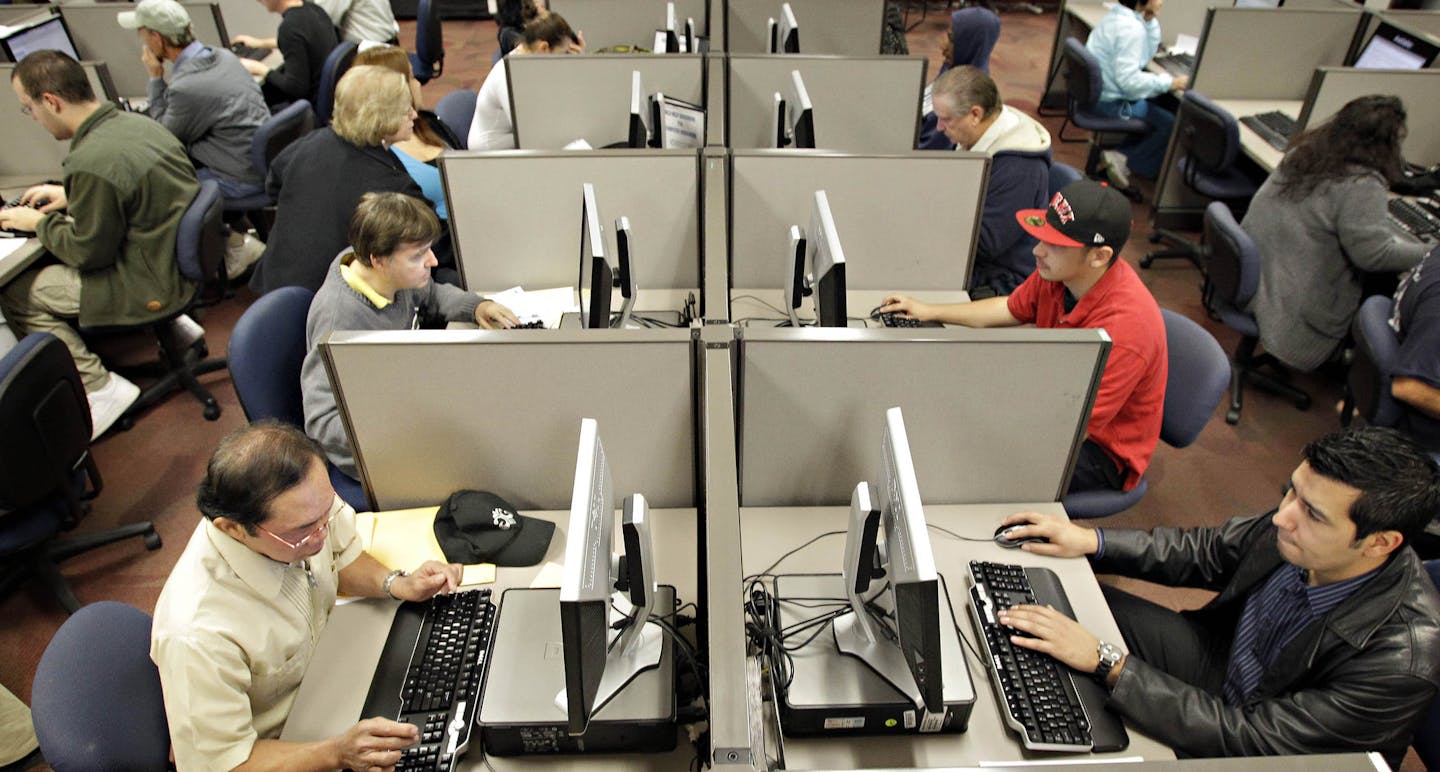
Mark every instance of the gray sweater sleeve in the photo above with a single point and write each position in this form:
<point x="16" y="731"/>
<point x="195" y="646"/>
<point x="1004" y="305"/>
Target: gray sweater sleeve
<point x="445" y="302"/>
<point x="1364" y="230"/>
<point x="322" y="414"/>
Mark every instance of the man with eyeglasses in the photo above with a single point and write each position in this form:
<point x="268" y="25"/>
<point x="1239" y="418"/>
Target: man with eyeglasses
<point x="238" y="620"/>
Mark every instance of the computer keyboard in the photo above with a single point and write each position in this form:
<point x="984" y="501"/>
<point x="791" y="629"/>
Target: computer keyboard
<point x="430" y="673"/>
<point x="533" y="324"/>
<point x="1274" y="127"/>
<point x="1052" y="707"/>
<point x="249" y="52"/>
<point x="1414" y="218"/>
<point x="1177" y="64"/>
<point x="891" y="319"/>
<point x="14" y="231"/>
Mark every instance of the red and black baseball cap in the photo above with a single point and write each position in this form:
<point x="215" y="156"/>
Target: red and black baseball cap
<point x="1082" y="214"/>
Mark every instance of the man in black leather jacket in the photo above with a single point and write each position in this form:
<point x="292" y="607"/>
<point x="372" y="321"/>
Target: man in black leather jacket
<point x="1325" y="634"/>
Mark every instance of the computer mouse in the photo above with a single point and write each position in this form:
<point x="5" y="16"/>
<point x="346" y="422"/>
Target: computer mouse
<point x="1003" y="539"/>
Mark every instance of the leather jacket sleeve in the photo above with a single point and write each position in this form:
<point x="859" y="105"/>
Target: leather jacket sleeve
<point x="1193" y="557"/>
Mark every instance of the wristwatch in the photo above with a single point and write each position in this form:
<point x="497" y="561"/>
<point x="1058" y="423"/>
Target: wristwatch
<point x="396" y="574"/>
<point x="1110" y="655"/>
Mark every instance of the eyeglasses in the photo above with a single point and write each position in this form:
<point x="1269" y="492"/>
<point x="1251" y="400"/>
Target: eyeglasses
<point x="25" y="110"/>
<point x="319" y="529"/>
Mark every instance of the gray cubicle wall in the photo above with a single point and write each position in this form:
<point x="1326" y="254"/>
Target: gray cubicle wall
<point x="1418" y="89"/>
<point x="992" y="415"/>
<point x="1265" y="53"/>
<point x="862" y="104"/>
<point x="1427" y="22"/>
<point x="606" y="23"/>
<point x="31" y="154"/>
<point x="13" y="15"/>
<point x="248" y="17"/>
<point x="433" y="412"/>
<point x="100" y="37"/>
<point x="515" y="215"/>
<point x="907" y="221"/>
<point x="832" y="27"/>
<point x="555" y="100"/>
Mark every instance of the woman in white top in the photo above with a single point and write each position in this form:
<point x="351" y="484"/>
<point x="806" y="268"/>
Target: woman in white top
<point x="493" y="128"/>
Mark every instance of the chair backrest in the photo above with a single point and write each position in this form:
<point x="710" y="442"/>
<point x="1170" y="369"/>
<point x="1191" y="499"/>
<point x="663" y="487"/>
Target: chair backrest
<point x="267" y="347"/>
<point x="96" y="699"/>
<point x="1199" y="377"/>
<point x="457" y="110"/>
<point x="1208" y="133"/>
<point x="1234" y="264"/>
<point x="44" y="419"/>
<point x="1062" y="174"/>
<point x="335" y="65"/>
<point x="429" y="41"/>
<point x="1376" y="347"/>
<point x="1082" y="75"/>
<point x="973" y="33"/>
<point x="282" y="128"/>
<point x="200" y="241"/>
<point x="1427" y="737"/>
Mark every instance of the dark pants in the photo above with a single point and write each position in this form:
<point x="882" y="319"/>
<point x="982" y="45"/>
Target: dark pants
<point x="1095" y="470"/>
<point x="1169" y="641"/>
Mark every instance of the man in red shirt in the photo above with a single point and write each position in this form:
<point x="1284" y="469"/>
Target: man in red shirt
<point x="1079" y="282"/>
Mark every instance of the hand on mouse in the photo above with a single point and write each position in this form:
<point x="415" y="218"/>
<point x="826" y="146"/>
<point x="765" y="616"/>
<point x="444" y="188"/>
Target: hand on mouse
<point x="1066" y="540"/>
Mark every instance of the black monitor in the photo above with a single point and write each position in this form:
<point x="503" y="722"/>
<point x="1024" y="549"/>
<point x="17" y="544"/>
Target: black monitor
<point x="910" y="660"/>
<point x="802" y="116"/>
<point x="779" y="123"/>
<point x="638" y="131"/>
<point x="692" y="41"/>
<point x="772" y="36"/>
<point x="624" y="246"/>
<point x="49" y="35"/>
<point x="827" y="262"/>
<point x="1392" y="48"/>
<point x="789" y="32"/>
<point x="797" y="284"/>
<point x="598" y="665"/>
<point x="672" y="38"/>
<point x="596" y="276"/>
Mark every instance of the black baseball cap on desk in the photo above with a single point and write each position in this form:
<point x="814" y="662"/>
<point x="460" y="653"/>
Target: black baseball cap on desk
<point x="480" y="527"/>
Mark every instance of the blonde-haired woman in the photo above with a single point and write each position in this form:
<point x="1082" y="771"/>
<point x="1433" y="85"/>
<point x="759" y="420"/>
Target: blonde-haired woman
<point x="421" y="152"/>
<point x="318" y="179"/>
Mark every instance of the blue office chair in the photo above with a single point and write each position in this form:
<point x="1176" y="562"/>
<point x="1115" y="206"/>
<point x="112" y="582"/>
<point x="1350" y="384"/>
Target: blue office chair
<point x="274" y="135"/>
<point x="1082" y="81"/>
<point x="1427" y="738"/>
<point x="47" y="474"/>
<point x="428" y="61"/>
<point x="267" y="348"/>
<point x="1198" y="375"/>
<point x="1367" y="385"/>
<point x="1062" y="175"/>
<point x="1232" y="277"/>
<point x="339" y="60"/>
<point x="97" y="703"/>
<point x="1209" y="138"/>
<point x="457" y="110"/>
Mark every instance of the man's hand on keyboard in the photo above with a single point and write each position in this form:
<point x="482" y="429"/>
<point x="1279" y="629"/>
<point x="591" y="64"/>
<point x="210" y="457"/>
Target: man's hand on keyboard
<point x="493" y="316"/>
<point x="374" y="744"/>
<point x="46" y="198"/>
<point x="427" y="581"/>
<point x="1066" y="540"/>
<point x="1055" y="634"/>
<point x="20" y="218"/>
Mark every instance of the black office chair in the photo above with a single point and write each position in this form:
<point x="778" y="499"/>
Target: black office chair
<point x="457" y="111"/>
<point x="46" y="471"/>
<point x="274" y="135"/>
<point x="1367" y="385"/>
<point x="1233" y="275"/>
<point x="1083" y="82"/>
<point x="339" y="60"/>
<point x="428" y="61"/>
<point x="1209" y="138"/>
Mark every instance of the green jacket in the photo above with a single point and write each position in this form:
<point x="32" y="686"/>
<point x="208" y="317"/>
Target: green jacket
<point x="128" y="182"/>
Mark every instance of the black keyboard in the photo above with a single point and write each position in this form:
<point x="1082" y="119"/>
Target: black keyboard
<point x="891" y="319"/>
<point x="1414" y="218"/>
<point x="1052" y="707"/>
<point x="534" y="324"/>
<point x="1177" y="64"/>
<point x="13" y="203"/>
<point x="430" y="674"/>
<point x="1274" y="127"/>
<point x="249" y="52"/>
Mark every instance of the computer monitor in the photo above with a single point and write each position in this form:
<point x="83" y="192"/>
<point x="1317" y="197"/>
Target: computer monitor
<point x="692" y="41"/>
<point x="624" y="246"/>
<point x="797" y="284"/>
<point x="1392" y="48"/>
<point x="772" y="32"/>
<point x="779" y="123"/>
<point x="827" y="263"/>
<point x="802" y="117"/>
<point x="638" y="134"/>
<point x="596" y="276"/>
<point x="789" y="33"/>
<point x="1259" y="3"/>
<point x="909" y="660"/>
<point x="49" y="35"/>
<point x="672" y="39"/>
<point x="597" y="664"/>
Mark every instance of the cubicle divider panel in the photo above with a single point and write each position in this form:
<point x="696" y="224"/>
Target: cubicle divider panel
<point x="1183" y="17"/>
<point x="1427" y="22"/>
<point x="100" y="37"/>
<point x="31" y="154"/>
<point x="861" y="104"/>
<point x="831" y="27"/>
<point x="609" y="23"/>
<point x="1271" y="53"/>
<point x="515" y="215"/>
<point x="433" y="412"/>
<point x="556" y="100"/>
<point x="992" y="415"/>
<point x="715" y="244"/>
<point x="906" y="221"/>
<point x="1418" y="89"/>
<point x="14" y="15"/>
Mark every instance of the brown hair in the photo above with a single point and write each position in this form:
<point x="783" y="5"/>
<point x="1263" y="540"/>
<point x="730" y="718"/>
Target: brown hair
<point x="395" y="58"/>
<point x="551" y="28"/>
<point x="383" y="222"/>
<point x="253" y="466"/>
<point x="53" y="72"/>
<point x="1367" y="132"/>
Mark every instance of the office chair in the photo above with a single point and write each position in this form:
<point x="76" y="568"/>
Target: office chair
<point x="1082" y="81"/>
<point x="1209" y="138"/>
<point x="1427" y="737"/>
<point x="267" y="349"/>
<point x="973" y="32"/>
<point x="457" y="110"/>
<point x="428" y="61"/>
<point x="336" y="64"/>
<point x="98" y="706"/>
<point x="200" y="255"/>
<point x="274" y="135"/>
<point x="1198" y="374"/>
<point x="1062" y="175"/>
<point x="1232" y="276"/>
<point x="46" y="471"/>
<point x="1367" y="384"/>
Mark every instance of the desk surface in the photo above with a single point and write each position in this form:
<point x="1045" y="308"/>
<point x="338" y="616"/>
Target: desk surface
<point x="760" y="306"/>
<point x="1253" y="144"/>
<point x="334" y="688"/>
<point x="768" y="533"/>
<point x="31" y="250"/>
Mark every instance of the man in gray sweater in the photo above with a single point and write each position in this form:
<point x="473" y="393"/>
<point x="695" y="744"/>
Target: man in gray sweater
<point x="382" y="282"/>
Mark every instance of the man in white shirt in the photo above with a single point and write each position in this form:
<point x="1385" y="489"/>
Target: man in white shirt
<point x="362" y="20"/>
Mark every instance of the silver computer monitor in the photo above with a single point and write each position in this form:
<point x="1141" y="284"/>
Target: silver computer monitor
<point x="49" y="35"/>
<point x="638" y="132"/>
<point x="826" y="259"/>
<point x="802" y="116"/>
<point x="625" y="256"/>
<point x="596" y="276"/>
<point x="797" y="283"/>
<point x="788" y="35"/>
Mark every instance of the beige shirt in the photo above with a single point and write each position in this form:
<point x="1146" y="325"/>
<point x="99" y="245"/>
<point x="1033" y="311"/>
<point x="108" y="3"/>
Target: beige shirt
<point x="233" y="634"/>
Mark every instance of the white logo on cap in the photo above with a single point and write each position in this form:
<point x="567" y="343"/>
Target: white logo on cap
<point x="1099" y="239"/>
<point x="502" y="519"/>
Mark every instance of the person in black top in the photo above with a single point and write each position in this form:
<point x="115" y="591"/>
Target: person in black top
<point x="306" y="37"/>
<point x="512" y="16"/>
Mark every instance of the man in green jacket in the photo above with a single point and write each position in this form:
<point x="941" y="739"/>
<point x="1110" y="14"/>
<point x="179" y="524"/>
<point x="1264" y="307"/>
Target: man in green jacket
<point x="111" y="225"/>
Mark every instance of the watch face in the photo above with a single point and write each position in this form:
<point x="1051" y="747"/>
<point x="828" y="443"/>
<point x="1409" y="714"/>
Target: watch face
<point x="1109" y="655"/>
